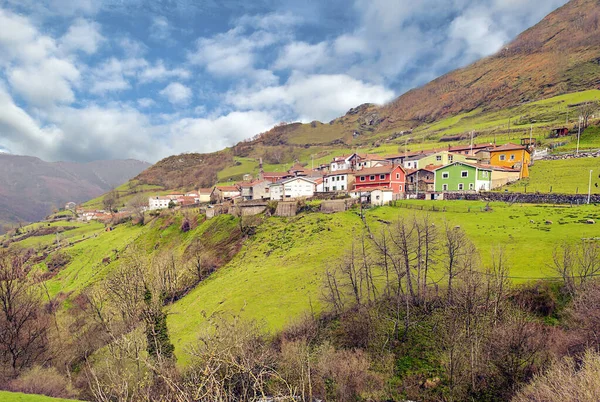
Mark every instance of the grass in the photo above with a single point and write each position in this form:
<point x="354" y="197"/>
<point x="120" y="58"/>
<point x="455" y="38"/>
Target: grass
<point x="568" y="176"/>
<point x="277" y="276"/>
<point x="126" y="192"/>
<point x="6" y="396"/>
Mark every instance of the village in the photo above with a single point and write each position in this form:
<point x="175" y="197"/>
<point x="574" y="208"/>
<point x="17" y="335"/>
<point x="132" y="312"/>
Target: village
<point x="375" y="179"/>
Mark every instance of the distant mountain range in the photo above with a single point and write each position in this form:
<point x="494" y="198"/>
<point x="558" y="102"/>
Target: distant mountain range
<point x="31" y="188"/>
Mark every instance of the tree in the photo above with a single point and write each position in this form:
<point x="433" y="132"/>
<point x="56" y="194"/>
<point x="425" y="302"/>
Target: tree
<point x="23" y="327"/>
<point x="586" y="111"/>
<point x="138" y="205"/>
<point x="110" y="201"/>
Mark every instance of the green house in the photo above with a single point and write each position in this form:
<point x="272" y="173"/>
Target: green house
<point x="463" y="176"/>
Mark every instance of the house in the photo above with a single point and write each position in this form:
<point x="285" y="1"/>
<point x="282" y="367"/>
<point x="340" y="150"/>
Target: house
<point x="272" y="177"/>
<point x="483" y="156"/>
<point x="381" y="196"/>
<point x="292" y="187"/>
<point x="341" y="180"/>
<point x="319" y="183"/>
<point x="512" y="156"/>
<point x="224" y="193"/>
<point x="159" y="202"/>
<point x="470" y="149"/>
<point x="463" y="176"/>
<point x="362" y="161"/>
<point x="204" y="194"/>
<point x="438" y="158"/>
<point x="421" y="180"/>
<point x="388" y="176"/>
<point x="255" y="190"/>
<point x="70" y="205"/>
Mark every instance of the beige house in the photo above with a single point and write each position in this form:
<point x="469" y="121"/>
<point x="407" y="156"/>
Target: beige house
<point x="502" y="176"/>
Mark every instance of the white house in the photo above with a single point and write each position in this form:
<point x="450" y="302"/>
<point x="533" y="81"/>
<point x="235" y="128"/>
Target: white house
<point x="382" y="196"/>
<point x="158" y="202"/>
<point x="342" y="180"/>
<point x="341" y="163"/>
<point x="294" y="187"/>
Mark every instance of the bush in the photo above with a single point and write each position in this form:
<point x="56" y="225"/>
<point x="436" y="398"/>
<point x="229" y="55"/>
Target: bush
<point x="57" y="261"/>
<point x="538" y="298"/>
<point x="44" y="381"/>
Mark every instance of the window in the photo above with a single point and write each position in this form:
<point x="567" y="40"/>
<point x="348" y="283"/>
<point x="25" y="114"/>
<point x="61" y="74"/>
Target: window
<point x="400" y="188"/>
<point x="461" y="186"/>
<point x="444" y="187"/>
<point x="338" y="178"/>
<point x="326" y="180"/>
<point x="450" y="158"/>
<point x="342" y="187"/>
<point x="502" y="157"/>
<point x="438" y="158"/>
<point x="334" y="188"/>
<point x="371" y="178"/>
<point x="485" y="174"/>
<point x="445" y="175"/>
<point x="362" y="178"/>
<point x="464" y="173"/>
<point x="471" y="186"/>
<point x="381" y="177"/>
<point x="397" y="176"/>
<point x="512" y="157"/>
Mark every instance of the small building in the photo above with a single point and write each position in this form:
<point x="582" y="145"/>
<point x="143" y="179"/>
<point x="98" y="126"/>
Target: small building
<point x="204" y="194"/>
<point x="341" y="180"/>
<point x="381" y="196"/>
<point x="512" y="156"/>
<point x="70" y="206"/>
<point x="320" y="184"/>
<point x="421" y="180"/>
<point x="463" y="176"/>
<point x="341" y="163"/>
<point x="559" y="132"/>
<point x="255" y="190"/>
<point x="293" y="187"/>
<point x="224" y="193"/>
<point x="159" y="202"/>
<point x="389" y="176"/>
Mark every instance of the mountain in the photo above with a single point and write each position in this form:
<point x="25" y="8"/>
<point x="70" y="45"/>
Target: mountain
<point x="559" y="55"/>
<point x="30" y="188"/>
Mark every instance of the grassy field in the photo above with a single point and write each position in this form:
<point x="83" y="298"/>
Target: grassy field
<point x="126" y="192"/>
<point x="569" y="176"/>
<point x="277" y="276"/>
<point x="6" y="396"/>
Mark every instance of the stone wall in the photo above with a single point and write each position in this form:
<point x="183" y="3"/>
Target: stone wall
<point x="331" y="206"/>
<point x="525" y="198"/>
<point x="286" y="208"/>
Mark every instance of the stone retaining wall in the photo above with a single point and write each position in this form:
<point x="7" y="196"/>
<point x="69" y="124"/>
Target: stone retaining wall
<point x="526" y="198"/>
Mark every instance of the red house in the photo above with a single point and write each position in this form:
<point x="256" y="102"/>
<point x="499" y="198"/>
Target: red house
<point x="392" y="176"/>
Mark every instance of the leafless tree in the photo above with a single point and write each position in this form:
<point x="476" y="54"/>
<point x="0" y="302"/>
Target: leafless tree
<point x="23" y="326"/>
<point x="586" y="111"/>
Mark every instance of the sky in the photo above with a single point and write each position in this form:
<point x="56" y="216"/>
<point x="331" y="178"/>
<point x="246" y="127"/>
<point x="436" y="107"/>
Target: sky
<point x="84" y="80"/>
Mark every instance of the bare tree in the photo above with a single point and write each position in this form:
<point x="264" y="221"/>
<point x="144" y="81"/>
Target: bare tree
<point x="23" y="327"/>
<point x="586" y="111"/>
<point x="138" y="205"/>
<point x="110" y="201"/>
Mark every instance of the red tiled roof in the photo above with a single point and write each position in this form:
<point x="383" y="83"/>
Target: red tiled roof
<point x="336" y="172"/>
<point x="207" y="190"/>
<point x="274" y="174"/>
<point x="377" y="170"/>
<point x="228" y="188"/>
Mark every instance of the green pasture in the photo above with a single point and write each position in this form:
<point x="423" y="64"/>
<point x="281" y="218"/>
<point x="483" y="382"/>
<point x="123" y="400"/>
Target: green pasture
<point x="6" y="396"/>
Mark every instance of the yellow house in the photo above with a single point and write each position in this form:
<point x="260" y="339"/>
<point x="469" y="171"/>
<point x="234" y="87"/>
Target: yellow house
<point x="512" y="156"/>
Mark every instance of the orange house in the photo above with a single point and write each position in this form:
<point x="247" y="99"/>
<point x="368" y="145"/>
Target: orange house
<point x="512" y="156"/>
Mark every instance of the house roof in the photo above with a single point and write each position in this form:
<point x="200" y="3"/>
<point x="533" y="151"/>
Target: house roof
<point x="468" y="147"/>
<point x="509" y="147"/>
<point x="370" y="189"/>
<point x="206" y="190"/>
<point x="274" y="174"/>
<point x="473" y="165"/>
<point x="227" y="188"/>
<point x="287" y="180"/>
<point x="338" y="172"/>
<point x="250" y="183"/>
<point x="378" y="170"/>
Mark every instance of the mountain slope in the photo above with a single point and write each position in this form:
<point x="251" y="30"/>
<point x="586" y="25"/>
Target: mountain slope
<point x="30" y="188"/>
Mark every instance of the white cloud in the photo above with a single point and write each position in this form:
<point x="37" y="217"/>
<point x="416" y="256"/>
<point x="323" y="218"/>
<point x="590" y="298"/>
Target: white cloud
<point x="146" y="102"/>
<point x="303" y="56"/>
<point x="320" y="96"/>
<point x="159" y="72"/>
<point x="45" y="83"/>
<point x="177" y="93"/>
<point x="160" y="29"/>
<point x="114" y="75"/>
<point x="83" y="35"/>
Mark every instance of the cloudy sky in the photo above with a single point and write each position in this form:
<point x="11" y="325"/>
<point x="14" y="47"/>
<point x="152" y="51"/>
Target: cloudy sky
<point x="83" y="80"/>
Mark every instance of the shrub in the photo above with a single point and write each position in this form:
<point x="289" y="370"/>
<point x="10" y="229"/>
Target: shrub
<point x="57" y="261"/>
<point x="45" y="381"/>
